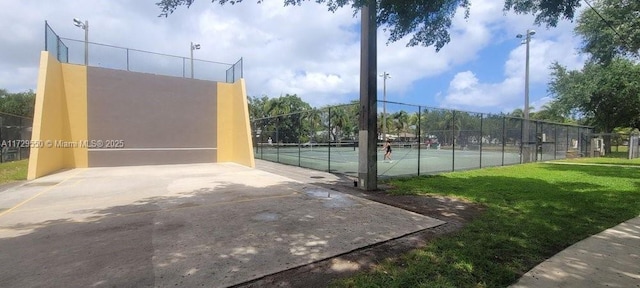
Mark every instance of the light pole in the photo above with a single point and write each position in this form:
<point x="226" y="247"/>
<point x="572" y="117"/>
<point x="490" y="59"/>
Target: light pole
<point x="368" y="126"/>
<point x="194" y="46"/>
<point x="84" y="26"/>
<point x="384" y="76"/>
<point x="525" y="137"/>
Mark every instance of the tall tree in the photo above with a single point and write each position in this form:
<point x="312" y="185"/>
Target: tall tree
<point x="518" y="113"/>
<point x="414" y="120"/>
<point x="549" y="112"/>
<point x="611" y="29"/>
<point x="19" y="104"/>
<point x="257" y="106"/>
<point x="565" y="82"/>
<point x="607" y="95"/>
<point x="388" y="123"/>
<point x="275" y="124"/>
<point x="401" y="122"/>
<point x="311" y="126"/>
<point x="339" y="119"/>
<point x="427" y="21"/>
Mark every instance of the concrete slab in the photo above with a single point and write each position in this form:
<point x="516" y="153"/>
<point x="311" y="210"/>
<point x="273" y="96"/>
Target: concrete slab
<point x="211" y="225"/>
<point x="608" y="259"/>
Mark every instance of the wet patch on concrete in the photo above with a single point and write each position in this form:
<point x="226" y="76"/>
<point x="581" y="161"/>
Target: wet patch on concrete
<point x="331" y="199"/>
<point x="267" y="216"/>
<point x="316" y="192"/>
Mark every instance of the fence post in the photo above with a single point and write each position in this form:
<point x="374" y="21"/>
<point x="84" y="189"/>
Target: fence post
<point x="277" y="139"/>
<point x="329" y="148"/>
<point x="262" y="138"/>
<point x="504" y="136"/>
<point x="57" y="48"/>
<point x="419" y="136"/>
<point x="539" y="151"/>
<point x="521" y="139"/>
<point x="481" y="137"/>
<point x="453" y="140"/>
<point x="568" y="144"/>
<point x="555" y="142"/>
<point x="128" y="59"/>
<point x="46" y="32"/>
<point x="299" y="138"/>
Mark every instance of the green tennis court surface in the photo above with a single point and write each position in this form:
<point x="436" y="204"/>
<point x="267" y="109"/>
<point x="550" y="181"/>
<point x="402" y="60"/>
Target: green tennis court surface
<point x="406" y="159"/>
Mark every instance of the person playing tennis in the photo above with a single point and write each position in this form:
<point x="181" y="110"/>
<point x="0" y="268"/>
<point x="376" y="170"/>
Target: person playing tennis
<point x="387" y="148"/>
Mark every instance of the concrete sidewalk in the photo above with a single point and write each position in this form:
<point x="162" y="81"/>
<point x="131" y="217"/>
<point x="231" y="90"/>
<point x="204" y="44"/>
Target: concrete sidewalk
<point x="608" y="259"/>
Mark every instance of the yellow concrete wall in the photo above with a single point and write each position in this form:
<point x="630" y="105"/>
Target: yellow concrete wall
<point x="234" y="130"/>
<point x="75" y="87"/>
<point x="60" y="115"/>
<point x="44" y="160"/>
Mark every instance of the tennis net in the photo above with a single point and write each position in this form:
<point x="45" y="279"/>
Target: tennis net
<point x="306" y="147"/>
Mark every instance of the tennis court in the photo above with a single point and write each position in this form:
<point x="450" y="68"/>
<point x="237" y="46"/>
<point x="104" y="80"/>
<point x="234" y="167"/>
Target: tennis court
<point x="407" y="159"/>
<point x="425" y="140"/>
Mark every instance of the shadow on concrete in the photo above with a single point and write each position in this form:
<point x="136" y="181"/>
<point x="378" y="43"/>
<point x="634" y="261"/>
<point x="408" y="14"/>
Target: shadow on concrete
<point x="204" y="237"/>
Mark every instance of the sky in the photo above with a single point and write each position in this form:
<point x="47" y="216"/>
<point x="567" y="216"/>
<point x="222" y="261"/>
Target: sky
<point x="303" y="50"/>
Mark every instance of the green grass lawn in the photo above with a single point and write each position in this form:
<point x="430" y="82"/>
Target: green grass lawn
<point x="13" y="171"/>
<point x="620" y="149"/>
<point x="533" y="212"/>
<point x="614" y="159"/>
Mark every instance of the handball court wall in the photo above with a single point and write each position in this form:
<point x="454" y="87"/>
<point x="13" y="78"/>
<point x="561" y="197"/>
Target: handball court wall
<point x="98" y="117"/>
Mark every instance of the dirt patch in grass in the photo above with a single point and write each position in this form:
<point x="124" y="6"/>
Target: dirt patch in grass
<point x="456" y="213"/>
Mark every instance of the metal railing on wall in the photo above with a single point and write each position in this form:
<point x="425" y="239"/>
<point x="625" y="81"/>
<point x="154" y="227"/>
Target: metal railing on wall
<point x="135" y="60"/>
<point x="54" y="44"/>
<point x="235" y="72"/>
<point x="425" y="141"/>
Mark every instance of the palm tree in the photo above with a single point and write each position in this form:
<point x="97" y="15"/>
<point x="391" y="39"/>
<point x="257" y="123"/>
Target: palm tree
<point x="549" y="112"/>
<point x="517" y="113"/>
<point x="413" y="122"/>
<point x="401" y="121"/>
<point x="312" y="121"/>
<point x="339" y="118"/>
<point x="389" y="123"/>
<point x="451" y="122"/>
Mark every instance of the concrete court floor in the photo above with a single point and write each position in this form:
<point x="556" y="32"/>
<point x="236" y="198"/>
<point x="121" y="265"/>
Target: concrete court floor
<point x="211" y="225"/>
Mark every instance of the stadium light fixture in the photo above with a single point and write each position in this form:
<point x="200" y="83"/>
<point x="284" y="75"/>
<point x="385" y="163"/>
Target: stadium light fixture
<point x="84" y="26"/>
<point x="194" y="46"/>
<point x="384" y="76"/>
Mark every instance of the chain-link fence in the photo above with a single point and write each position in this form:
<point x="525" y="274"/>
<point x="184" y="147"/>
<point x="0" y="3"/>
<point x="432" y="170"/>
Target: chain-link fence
<point x="634" y="146"/>
<point x="15" y="136"/>
<point x="122" y="58"/>
<point x="424" y="140"/>
<point x="54" y="44"/>
<point x="234" y="73"/>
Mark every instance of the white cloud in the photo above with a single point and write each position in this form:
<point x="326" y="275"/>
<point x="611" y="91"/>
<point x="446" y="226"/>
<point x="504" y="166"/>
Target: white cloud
<point x="467" y="92"/>
<point x="298" y="49"/>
